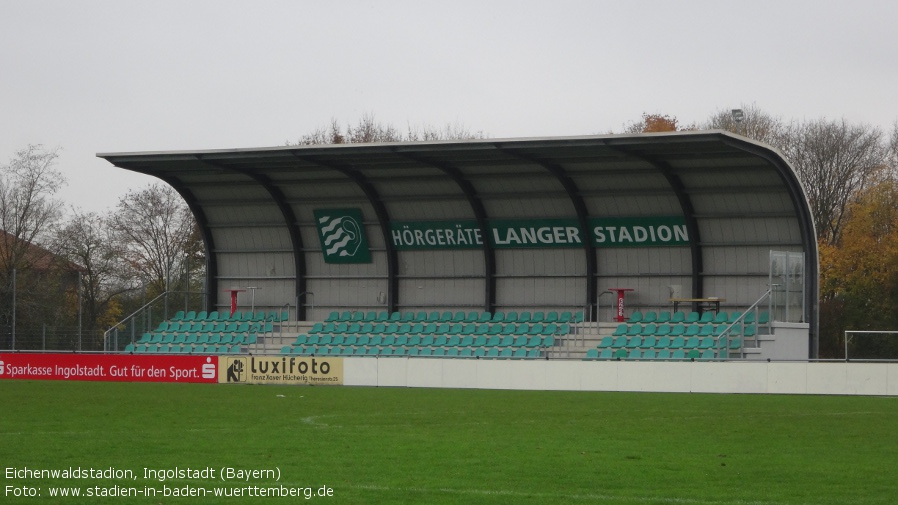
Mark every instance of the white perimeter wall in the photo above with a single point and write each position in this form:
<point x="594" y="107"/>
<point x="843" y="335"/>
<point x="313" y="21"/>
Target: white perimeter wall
<point x="673" y="377"/>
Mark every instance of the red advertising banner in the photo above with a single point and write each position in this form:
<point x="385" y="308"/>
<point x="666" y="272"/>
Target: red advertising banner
<point x="109" y="367"/>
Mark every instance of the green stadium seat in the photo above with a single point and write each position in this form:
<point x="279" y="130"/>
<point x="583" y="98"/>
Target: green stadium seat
<point x="707" y="355"/>
<point x="549" y="329"/>
<point x="678" y="354"/>
<point x="551" y="317"/>
<point x="621" y="354"/>
<point x="664" y="330"/>
<point x="649" y="329"/>
<point x="662" y="343"/>
<point x="621" y="330"/>
<point x="650" y="317"/>
<point x="408" y="316"/>
<point x="433" y="317"/>
<point x="620" y="341"/>
<point x="706" y="343"/>
<point x="382" y="316"/>
<point x="537" y="316"/>
<point x="693" y="354"/>
<point x="145" y="338"/>
<point x="706" y="317"/>
<point x="634" y="329"/>
<point x="677" y="343"/>
<point x="536" y="329"/>
<point x="692" y="317"/>
<point x="663" y="317"/>
<point x="399" y="351"/>
<point x="436" y="340"/>
<point x="607" y="341"/>
<point x="525" y="317"/>
<point x="678" y="317"/>
<point x="467" y="340"/>
<point x="333" y="316"/>
<point x="485" y="317"/>
<point x="578" y="317"/>
<point x="506" y="341"/>
<point x="692" y="330"/>
<point x="511" y="317"/>
<point x="648" y="354"/>
<point x="663" y="354"/>
<point x="421" y="316"/>
<point x="707" y="330"/>
<point x="634" y="342"/>
<point x="691" y="343"/>
<point x="549" y="341"/>
<point x="498" y="317"/>
<point x="635" y="317"/>
<point x="648" y="342"/>
<point x="565" y="317"/>
<point x="535" y="341"/>
<point x="763" y="318"/>
<point x="592" y="354"/>
<point x="481" y="341"/>
<point x="129" y="348"/>
<point x="634" y="354"/>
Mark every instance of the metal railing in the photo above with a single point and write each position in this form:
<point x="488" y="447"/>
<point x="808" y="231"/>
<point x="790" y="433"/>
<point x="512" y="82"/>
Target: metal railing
<point x="725" y="334"/>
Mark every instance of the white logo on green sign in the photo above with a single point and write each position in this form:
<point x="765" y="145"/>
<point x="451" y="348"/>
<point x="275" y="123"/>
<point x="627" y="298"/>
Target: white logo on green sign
<point x="342" y="236"/>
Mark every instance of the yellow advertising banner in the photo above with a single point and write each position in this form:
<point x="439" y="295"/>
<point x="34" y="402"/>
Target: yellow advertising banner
<point x="293" y="370"/>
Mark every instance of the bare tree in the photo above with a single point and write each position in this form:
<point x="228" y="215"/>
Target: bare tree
<point x="28" y="208"/>
<point x="158" y="233"/>
<point x="368" y="130"/>
<point x="754" y="124"/>
<point x="835" y="160"/>
<point x="86" y="239"/>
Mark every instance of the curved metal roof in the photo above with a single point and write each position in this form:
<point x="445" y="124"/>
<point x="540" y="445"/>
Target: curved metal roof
<point x="738" y="199"/>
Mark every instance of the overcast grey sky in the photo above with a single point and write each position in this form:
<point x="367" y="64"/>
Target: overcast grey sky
<point x="117" y="75"/>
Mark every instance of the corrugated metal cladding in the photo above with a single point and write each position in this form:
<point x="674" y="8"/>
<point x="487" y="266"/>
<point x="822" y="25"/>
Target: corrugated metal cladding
<point x="516" y="224"/>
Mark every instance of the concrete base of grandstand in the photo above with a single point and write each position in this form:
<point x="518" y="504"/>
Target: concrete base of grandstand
<point x="819" y="378"/>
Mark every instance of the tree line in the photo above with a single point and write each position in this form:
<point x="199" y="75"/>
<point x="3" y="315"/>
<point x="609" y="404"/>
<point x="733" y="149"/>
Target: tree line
<point x="61" y="269"/>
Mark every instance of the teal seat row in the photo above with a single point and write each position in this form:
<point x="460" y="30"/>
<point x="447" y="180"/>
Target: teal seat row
<point x="652" y="354"/>
<point x="449" y="352"/>
<point x="457" y="317"/>
<point x="239" y="316"/>
<point x="442" y="328"/>
<point x="707" y="316"/>
<point x="198" y="338"/>
<point x="428" y="340"/>
<point x="181" y="349"/>
<point x="215" y="326"/>
<point x="667" y="342"/>
<point x="681" y="329"/>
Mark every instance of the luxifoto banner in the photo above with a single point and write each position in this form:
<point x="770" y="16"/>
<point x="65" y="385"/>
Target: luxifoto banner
<point x="651" y="231"/>
<point x="109" y="367"/>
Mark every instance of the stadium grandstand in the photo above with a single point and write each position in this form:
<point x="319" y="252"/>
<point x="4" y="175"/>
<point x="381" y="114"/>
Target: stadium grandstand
<point x="672" y="246"/>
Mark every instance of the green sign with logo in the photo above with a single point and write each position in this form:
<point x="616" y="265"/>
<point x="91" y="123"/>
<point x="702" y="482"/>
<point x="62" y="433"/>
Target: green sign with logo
<point x="342" y="236"/>
<point x="652" y="231"/>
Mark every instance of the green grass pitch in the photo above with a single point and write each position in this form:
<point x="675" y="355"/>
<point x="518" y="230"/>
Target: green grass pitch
<point x="432" y="446"/>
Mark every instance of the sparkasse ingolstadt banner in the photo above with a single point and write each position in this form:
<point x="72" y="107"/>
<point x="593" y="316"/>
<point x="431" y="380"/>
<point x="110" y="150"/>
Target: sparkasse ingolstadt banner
<point x="292" y="370"/>
<point x="342" y="236"/>
<point x="109" y="367"/>
<point x="652" y="231"/>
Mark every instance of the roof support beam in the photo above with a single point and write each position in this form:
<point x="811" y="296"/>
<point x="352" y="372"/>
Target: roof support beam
<point x="489" y="255"/>
<point x="383" y="218"/>
<point x="573" y="193"/>
<point x="210" y="298"/>
<point x="290" y="221"/>
<point x="679" y="189"/>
